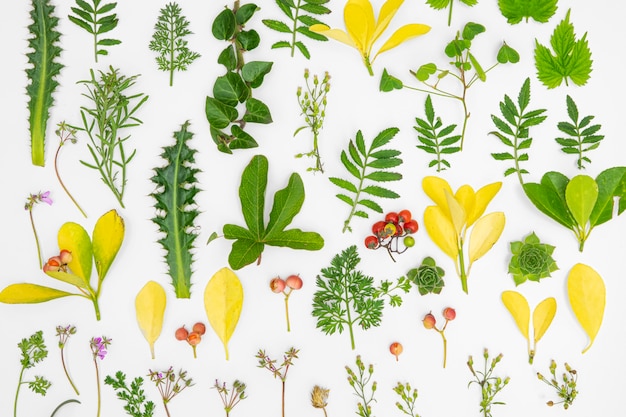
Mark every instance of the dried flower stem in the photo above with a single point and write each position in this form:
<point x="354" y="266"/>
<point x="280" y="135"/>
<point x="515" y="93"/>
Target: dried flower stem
<point x="567" y="390"/>
<point x="278" y="372"/>
<point x="170" y="385"/>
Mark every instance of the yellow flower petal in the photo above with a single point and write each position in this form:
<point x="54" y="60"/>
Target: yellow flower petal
<point x="542" y="317"/>
<point x="436" y="188"/>
<point x="483" y="198"/>
<point x="441" y="231"/>
<point x="457" y="213"/>
<point x="485" y="234"/>
<point x="519" y="309"/>
<point x="359" y="18"/>
<point x="403" y="34"/>
<point x="336" y="34"/>
<point x="387" y="12"/>
<point x="466" y="197"/>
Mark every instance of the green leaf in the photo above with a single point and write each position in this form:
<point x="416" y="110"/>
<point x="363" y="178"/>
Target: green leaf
<point x="581" y="194"/>
<point x="228" y="58"/>
<point x="277" y="25"/>
<point x="346" y="185"/>
<point x="516" y="10"/>
<point x="425" y="71"/>
<point x="482" y="76"/>
<point x="384" y="137"/>
<point x="30" y="294"/>
<point x="380" y="192"/>
<point x="253" y="72"/>
<point x="507" y="54"/>
<point x="287" y="203"/>
<point x="248" y="39"/>
<point x="389" y="82"/>
<point x="611" y="183"/>
<point x="257" y="112"/>
<point x="245" y="12"/>
<point x="230" y="89"/>
<point x="252" y="195"/>
<point x="219" y="114"/>
<point x="549" y="197"/>
<point x="383" y="176"/>
<point x="472" y="29"/>
<point x="223" y="27"/>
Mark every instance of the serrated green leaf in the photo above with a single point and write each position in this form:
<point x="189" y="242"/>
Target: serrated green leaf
<point x="346" y="185"/>
<point x="349" y="165"/>
<point x="372" y="205"/>
<point x="384" y="163"/>
<point x="380" y="192"/>
<point x="516" y="10"/>
<point x="277" y="25"/>
<point x="502" y="156"/>
<point x="383" y="176"/>
<point x="303" y="50"/>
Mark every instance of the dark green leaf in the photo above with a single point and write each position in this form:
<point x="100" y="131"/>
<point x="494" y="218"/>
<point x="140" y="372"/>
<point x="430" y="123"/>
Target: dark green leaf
<point x="472" y="29"/>
<point x="372" y="205"/>
<point x="380" y="192"/>
<point x="281" y="44"/>
<point x="309" y="34"/>
<point x="219" y="114"/>
<point x="230" y="89"/>
<point x="228" y="58"/>
<point x="245" y="12"/>
<point x="355" y="154"/>
<point x="384" y="137"/>
<point x="343" y="184"/>
<point x="257" y="112"/>
<point x="248" y="39"/>
<point x="223" y="27"/>
<point x="253" y="72"/>
<point x="315" y="8"/>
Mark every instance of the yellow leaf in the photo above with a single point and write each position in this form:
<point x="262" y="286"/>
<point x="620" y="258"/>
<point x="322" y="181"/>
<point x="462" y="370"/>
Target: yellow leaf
<point x="336" y="34"/>
<point x="223" y="300"/>
<point x="358" y="16"/>
<point x="457" y="213"/>
<point x="466" y="197"/>
<point x="107" y="237"/>
<point x="435" y="188"/>
<point x="403" y="34"/>
<point x="74" y="238"/>
<point x="542" y="317"/>
<point x="30" y="294"/>
<point x="485" y="234"/>
<point x="483" y="198"/>
<point x="150" y="309"/>
<point x="587" y="297"/>
<point x="441" y="231"/>
<point x="387" y="12"/>
<point x="519" y="309"/>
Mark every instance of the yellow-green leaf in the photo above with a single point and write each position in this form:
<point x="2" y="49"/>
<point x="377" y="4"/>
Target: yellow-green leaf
<point x="403" y="34"/>
<point x="441" y="231"/>
<point x="457" y="213"/>
<point x="542" y="317"/>
<point x="387" y="12"/>
<point x="74" y="238"/>
<point x="69" y="278"/>
<point x="483" y="198"/>
<point x="581" y="195"/>
<point x="359" y="19"/>
<point x="485" y="234"/>
<point x="519" y="309"/>
<point x="435" y="188"/>
<point x="223" y="300"/>
<point x="336" y="34"/>
<point x="150" y="309"/>
<point x="587" y="297"/>
<point x="108" y="235"/>
<point x="30" y="294"/>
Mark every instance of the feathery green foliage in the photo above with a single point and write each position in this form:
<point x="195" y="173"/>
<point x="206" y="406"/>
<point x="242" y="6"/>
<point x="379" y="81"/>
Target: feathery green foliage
<point x="168" y="40"/>
<point x="33" y="351"/>
<point x="44" y="56"/>
<point x="582" y="137"/>
<point x="90" y="17"/>
<point x="133" y="396"/>
<point x="176" y="212"/>
<point x="295" y="10"/>
<point x="368" y="165"/>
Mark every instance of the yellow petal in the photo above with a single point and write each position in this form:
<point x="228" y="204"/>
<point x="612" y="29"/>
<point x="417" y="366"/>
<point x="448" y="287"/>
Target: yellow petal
<point x="107" y="238"/>
<point x="387" y="12"/>
<point x="587" y="297"/>
<point x="457" y="213"/>
<point x="542" y="317"/>
<point x="336" y="34"/>
<point x="359" y="18"/>
<point x="401" y="35"/>
<point x="441" y="231"/>
<point x="485" y="234"/>
<point x="466" y="197"/>
<point x="483" y="198"/>
<point x="436" y="188"/>
<point x="150" y="308"/>
<point x="519" y="309"/>
<point x="223" y="301"/>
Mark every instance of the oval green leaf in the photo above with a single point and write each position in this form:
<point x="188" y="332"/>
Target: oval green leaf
<point x="224" y="25"/>
<point x="581" y="194"/>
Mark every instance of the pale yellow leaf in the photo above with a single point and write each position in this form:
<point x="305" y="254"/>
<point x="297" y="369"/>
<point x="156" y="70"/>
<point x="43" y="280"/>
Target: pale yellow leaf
<point x="485" y="234"/>
<point x="519" y="309"/>
<point x="483" y="198"/>
<point x="386" y="14"/>
<point x="542" y="317"/>
<point x="150" y="309"/>
<point x="223" y="301"/>
<point x="587" y="297"/>
<point x="107" y="237"/>
<point x="435" y="188"/>
<point x="359" y="19"/>
<point x="466" y="197"/>
<point x="457" y="213"/>
<point x="403" y="34"/>
<point x="336" y="34"/>
<point x="30" y="294"/>
<point x="441" y="231"/>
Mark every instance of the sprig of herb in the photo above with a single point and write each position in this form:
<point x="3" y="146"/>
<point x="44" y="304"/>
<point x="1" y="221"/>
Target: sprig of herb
<point x="566" y="391"/>
<point x="466" y="70"/>
<point x="234" y="88"/>
<point x="442" y="4"/>
<point x="490" y="385"/>
<point x="539" y="10"/>
<point x="31" y="202"/>
<point x="64" y="333"/>
<point x="345" y="296"/>
<point x="435" y="142"/>
<point x="582" y="137"/>
<point x="313" y="106"/>
<point x="359" y="385"/>
<point x="230" y="396"/>
<point x="514" y="129"/>
<point x="133" y="396"/>
<point x="168" y="40"/>
<point x="169" y="384"/>
<point x="65" y="134"/>
<point x="33" y="351"/>
<point x="176" y="208"/>
<point x="571" y="58"/>
<point x="112" y="113"/>
<point x="90" y="17"/>
<point x="368" y="165"/>
<point x="387" y="289"/>
<point x="408" y="396"/>
<point x="45" y="67"/>
<point x="296" y="10"/>
<point x="279" y="371"/>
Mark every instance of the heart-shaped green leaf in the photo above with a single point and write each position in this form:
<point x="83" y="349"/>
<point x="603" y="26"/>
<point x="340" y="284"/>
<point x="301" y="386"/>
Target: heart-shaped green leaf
<point x="389" y="82"/>
<point x="507" y="54"/>
<point x="425" y="71"/>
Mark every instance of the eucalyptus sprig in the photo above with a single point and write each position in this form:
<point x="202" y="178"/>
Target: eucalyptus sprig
<point x="296" y="11"/>
<point x="111" y="113"/>
<point x="359" y="384"/>
<point x="133" y="396"/>
<point x="490" y="385"/>
<point x="566" y="390"/>
<point x="33" y="351"/>
<point x="91" y="17"/>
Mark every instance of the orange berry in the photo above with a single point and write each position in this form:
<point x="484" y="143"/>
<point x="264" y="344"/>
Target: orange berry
<point x="65" y="256"/>
<point x="396" y="349"/>
<point x="194" y="338"/>
<point x="294" y="282"/>
<point x="277" y="285"/>
<point x="449" y="313"/>
<point x="181" y="333"/>
<point x="199" y="328"/>
<point x="429" y="321"/>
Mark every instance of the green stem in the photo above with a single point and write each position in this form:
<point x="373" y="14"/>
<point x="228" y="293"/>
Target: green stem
<point x="287" y="311"/>
<point x="94" y="299"/>
<point x="295" y="25"/>
<point x="68" y="378"/>
<point x="318" y="160"/>
<point x="171" y="30"/>
<point x="347" y="300"/>
<point x="17" y="392"/>
<point x="346" y="224"/>
<point x="462" y="274"/>
<point x="445" y="347"/>
<point x="368" y="65"/>
<point x="56" y="170"/>
<point x="95" y="362"/>
<point x="32" y="223"/>
<point x="450" y="13"/>
<point x="62" y="404"/>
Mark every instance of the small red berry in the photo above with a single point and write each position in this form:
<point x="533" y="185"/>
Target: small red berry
<point x="181" y="333"/>
<point x="404" y="216"/>
<point x="199" y="328"/>
<point x="391" y="217"/>
<point x="411" y="226"/>
<point x="378" y="228"/>
<point x="449" y="313"/>
<point x="429" y="321"/>
<point x="371" y="242"/>
<point x="294" y="282"/>
<point x="194" y="338"/>
<point x="399" y="230"/>
<point x="396" y="349"/>
<point x="65" y="256"/>
<point x="277" y="285"/>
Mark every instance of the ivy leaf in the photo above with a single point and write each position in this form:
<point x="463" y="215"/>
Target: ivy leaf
<point x="516" y="10"/>
<point x="249" y="243"/>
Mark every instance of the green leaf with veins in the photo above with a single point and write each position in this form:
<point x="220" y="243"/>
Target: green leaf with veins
<point x="516" y="10"/>
<point x="442" y="4"/>
<point x="90" y="18"/>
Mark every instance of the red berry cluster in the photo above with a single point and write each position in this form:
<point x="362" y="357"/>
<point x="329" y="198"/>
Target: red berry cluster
<point x="387" y="233"/>
<point x="194" y="337"/>
<point x="59" y="262"/>
<point x="286" y="287"/>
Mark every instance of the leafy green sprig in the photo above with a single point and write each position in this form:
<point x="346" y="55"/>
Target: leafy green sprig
<point x="566" y="390"/>
<point x="346" y="297"/>
<point x="408" y="396"/>
<point x="582" y="137"/>
<point x="368" y="165"/>
<point x="388" y="288"/>
<point x="231" y="396"/>
<point x="112" y="112"/>
<point x="442" y="4"/>
<point x="296" y="10"/>
<point x="434" y="138"/>
<point x="539" y="10"/>
<point x="133" y="396"/>
<point x="359" y="384"/>
<point x="91" y="17"/>
<point x="513" y="130"/>
<point x="232" y="92"/>
<point x="490" y="385"/>
<point x="169" y="41"/>
<point x="33" y="351"/>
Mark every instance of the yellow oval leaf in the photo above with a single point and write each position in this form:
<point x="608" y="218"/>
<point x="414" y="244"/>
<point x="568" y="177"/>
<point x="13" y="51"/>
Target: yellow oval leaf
<point x="108" y="234"/>
<point x="74" y="238"/>
<point x="441" y="231"/>
<point x="466" y="197"/>
<point x="483" y="198"/>
<point x="519" y="309"/>
<point x="150" y="309"/>
<point x="223" y="300"/>
<point x="435" y="188"/>
<point x="542" y="317"/>
<point x="587" y="297"/>
<point x="30" y="294"/>
<point x="485" y="234"/>
<point x="403" y="34"/>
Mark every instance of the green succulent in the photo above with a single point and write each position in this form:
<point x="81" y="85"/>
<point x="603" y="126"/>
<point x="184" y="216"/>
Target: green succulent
<point x="531" y="260"/>
<point x="428" y="277"/>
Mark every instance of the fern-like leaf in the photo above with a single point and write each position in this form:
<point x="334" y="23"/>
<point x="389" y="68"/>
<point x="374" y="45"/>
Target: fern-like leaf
<point x="367" y="166"/>
<point x="92" y="18"/>
<point x="41" y="76"/>
<point x="176" y="212"/>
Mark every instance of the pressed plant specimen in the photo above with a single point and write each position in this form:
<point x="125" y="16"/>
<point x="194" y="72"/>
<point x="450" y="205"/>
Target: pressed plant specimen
<point x="430" y="322"/>
<point x="98" y="346"/>
<point x="489" y="384"/>
<point x="566" y="390"/>
<point x="33" y="350"/>
<point x="90" y="15"/>
<point x="132" y="395"/>
<point x="319" y="398"/>
<point x="66" y="134"/>
<point x="31" y="201"/>
<point x="278" y="371"/>
<point x="170" y="384"/>
<point x="286" y="287"/>
<point x="230" y="396"/>
<point x="408" y="395"/>
<point x="359" y="381"/>
<point x="64" y="333"/>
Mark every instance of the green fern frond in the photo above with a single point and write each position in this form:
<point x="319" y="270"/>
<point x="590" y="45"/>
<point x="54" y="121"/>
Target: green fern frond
<point x="176" y="212"/>
<point x="41" y="75"/>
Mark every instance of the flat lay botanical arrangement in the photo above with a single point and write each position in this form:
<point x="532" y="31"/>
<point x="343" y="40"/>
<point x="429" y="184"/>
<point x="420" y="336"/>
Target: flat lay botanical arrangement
<point x="202" y="197"/>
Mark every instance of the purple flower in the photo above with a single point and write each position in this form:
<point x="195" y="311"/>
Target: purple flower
<point x="45" y="197"/>
<point x="37" y="198"/>
<point x="98" y="346"/>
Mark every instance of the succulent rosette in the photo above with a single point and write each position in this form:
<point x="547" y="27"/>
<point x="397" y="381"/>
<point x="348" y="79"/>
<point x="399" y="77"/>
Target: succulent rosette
<point x="428" y="277"/>
<point x="531" y="260"/>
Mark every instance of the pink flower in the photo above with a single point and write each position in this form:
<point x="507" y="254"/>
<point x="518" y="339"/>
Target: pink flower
<point x="45" y="197"/>
<point x="98" y="346"/>
<point x="37" y="198"/>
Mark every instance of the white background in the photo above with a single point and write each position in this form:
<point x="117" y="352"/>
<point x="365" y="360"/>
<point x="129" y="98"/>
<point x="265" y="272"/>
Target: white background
<point x="354" y="103"/>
